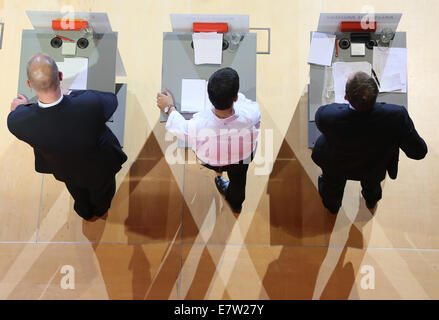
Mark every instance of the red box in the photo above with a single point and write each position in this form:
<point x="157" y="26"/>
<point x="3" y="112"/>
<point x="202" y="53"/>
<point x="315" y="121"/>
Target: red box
<point x="355" y="26"/>
<point x="210" y="27"/>
<point x="69" y="25"/>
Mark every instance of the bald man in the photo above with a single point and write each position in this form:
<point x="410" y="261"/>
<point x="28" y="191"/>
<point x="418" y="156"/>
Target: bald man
<point x="69" y="135"/>
<point x="360" y="141"/>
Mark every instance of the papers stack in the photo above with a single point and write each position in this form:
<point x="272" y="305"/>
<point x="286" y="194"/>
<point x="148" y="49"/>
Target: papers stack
<point x="75" y="73"/>
<point x="194" y="96"/>
<point x="322" y="49"/>
<point x="208" y="47"/>
<point x="341" y="72"/>
<point x="390" y="65"/>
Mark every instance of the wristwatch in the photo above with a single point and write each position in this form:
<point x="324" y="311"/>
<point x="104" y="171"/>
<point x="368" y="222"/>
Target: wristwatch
<point x="166" y="110"/>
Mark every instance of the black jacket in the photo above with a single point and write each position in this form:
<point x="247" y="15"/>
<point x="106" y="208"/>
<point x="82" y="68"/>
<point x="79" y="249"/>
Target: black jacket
<point x="359" y="145"/>
<point x="71" y="140"/>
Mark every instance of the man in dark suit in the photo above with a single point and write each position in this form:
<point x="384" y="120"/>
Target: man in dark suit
<point x="69" y="135"/>
<point x="360" y="141"/>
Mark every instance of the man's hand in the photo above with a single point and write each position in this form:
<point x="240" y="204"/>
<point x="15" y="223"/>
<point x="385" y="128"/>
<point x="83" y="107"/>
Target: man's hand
<point x="18" y="101"/>
<point x="164" y="100"/>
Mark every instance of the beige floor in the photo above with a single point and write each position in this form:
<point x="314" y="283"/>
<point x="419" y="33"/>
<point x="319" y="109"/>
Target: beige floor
<point x="169" y="235"/>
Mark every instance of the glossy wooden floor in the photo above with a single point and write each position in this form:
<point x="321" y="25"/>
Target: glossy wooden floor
<point x="169" y="235"/>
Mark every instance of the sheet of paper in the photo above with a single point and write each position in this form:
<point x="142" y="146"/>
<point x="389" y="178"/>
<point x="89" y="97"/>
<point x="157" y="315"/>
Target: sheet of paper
<point x="75" y="73"/>
<point x="193" y="95"/>
<point x="208" y="47"/>
<point x="391" y="83"/>
<point x="68" y="48"/>
<point x="358" y="49"/>
<point x="341" y="72"/>
<point x="388" y="63"/>
<point x="322" y="49"/>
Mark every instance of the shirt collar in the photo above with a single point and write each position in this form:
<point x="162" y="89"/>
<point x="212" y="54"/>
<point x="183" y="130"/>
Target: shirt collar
<point x="48" y="105"/>
<point x="224" y="120"/>
<point x="351" y="107"/>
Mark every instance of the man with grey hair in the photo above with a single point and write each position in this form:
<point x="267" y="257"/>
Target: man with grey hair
<point x="361" y="141"/>
<point x="69" y="135"/>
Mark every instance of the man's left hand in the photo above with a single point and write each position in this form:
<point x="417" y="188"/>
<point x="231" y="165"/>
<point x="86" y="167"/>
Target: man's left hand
<point x="18" y="101"/>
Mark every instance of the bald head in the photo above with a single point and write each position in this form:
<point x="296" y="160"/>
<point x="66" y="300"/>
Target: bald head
<point x="42" y="73"/>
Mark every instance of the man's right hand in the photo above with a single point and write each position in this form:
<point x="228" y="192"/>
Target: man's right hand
<point x="164" y="100"/>
<point x="18" y="101"/>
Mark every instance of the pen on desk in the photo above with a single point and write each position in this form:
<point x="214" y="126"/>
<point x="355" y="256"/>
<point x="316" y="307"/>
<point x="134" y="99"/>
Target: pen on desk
<point x="336" y="47"/>
<point x="64" y="38"/>
<point x="376" y="78"/>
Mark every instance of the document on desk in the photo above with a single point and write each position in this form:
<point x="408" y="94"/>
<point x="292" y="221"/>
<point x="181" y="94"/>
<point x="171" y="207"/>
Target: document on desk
<point x="390" y="65"/>
<point x="322" y="49"/>
<point x="75" y="73"/>
<point x="208" y="47"/>
<point x="194" y="96"/>
<point x="341" y="72"/>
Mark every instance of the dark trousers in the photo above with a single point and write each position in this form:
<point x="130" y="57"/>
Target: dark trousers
<point x="237" y="174"/>
<point x="90" y="202"/>
<point x="331" y="190"/>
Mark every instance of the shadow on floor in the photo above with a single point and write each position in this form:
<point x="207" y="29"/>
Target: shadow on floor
<point x="148" y="205"/>
<point x="316" y="271"/>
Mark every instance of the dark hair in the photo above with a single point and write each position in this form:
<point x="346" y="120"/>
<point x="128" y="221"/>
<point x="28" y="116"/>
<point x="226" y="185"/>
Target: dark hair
<point x="362" y="91"/>
<point x="223" y="88"/>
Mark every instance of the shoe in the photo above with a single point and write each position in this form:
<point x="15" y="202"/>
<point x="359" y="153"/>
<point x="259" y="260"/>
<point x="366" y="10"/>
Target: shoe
<point x="222" y="185"/>
<point x="332" y="210"/>
<point x="369" y="205"/>
<point x="100" y="215"/>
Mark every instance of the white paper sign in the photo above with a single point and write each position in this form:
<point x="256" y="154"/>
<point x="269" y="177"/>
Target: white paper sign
<point x="75" y="73"/>
<point x="322" y="49"/>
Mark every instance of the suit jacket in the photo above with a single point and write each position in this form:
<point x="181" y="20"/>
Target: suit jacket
<point x="71" y="139"/>
<point x="360" y="145"/>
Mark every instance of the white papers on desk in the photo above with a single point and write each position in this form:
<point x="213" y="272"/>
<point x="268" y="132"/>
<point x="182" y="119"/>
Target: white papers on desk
<point x="390" y="65"/>
<point x="75" y="73"/>
<point x="322" y="49"/>
<point x="341" y="72"/>
<point x="194" y="96"/>
<point x="208" y="47"/>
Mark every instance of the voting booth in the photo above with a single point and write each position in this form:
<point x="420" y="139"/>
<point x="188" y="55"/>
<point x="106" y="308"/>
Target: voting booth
<point x="198" y="46"/>
<point x="348" y="43"/>
<point x="85" y="49"/>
